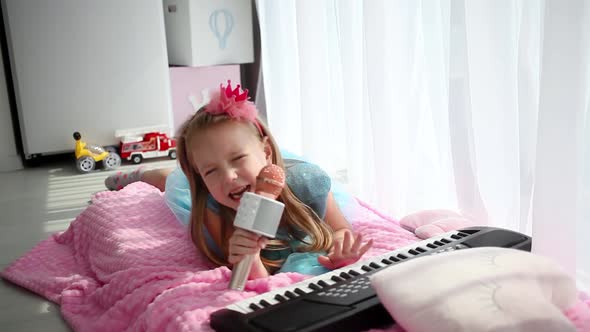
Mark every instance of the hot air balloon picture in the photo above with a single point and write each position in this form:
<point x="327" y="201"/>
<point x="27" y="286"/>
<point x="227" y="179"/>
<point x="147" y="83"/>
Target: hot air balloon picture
<point x="221" y="23"/>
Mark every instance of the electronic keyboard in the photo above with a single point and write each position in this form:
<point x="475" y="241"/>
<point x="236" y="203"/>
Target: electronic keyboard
<point x="343" y="300"/>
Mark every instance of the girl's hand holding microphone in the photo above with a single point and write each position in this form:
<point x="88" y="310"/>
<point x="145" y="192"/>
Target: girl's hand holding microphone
<point x="257" y="215"/>
<point x="269" y="183"/>
<point x="242" y="243"/>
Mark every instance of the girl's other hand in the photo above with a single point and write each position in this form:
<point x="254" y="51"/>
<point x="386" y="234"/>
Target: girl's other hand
<point x="243" y="242"/>
<point x="345" y="252"/>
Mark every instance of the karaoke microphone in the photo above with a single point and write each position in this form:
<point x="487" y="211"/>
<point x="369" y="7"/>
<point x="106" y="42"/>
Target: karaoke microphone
<point x="259" y="213"/>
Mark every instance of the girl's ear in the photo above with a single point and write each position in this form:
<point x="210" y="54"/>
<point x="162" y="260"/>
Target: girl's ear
<point x="267" y="149"/>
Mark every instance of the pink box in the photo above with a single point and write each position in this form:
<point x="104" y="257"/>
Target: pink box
<point x="192" y="81"/>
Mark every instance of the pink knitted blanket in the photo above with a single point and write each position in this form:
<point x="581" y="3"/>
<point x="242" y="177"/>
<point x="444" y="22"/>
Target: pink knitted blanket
<point x="125" y="263"/>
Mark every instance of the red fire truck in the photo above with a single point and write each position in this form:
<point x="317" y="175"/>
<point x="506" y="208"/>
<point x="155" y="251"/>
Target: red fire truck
<point x="141" y="143"/>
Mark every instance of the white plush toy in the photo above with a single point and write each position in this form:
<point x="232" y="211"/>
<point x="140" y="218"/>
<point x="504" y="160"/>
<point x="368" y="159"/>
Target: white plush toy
<point x="481" y="289"/>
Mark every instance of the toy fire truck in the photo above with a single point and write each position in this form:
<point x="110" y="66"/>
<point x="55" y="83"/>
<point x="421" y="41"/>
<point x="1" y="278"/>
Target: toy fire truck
<point x="147" y="142"/>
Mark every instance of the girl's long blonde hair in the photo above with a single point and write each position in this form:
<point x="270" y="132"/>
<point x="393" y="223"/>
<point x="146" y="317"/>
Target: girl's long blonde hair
<point x="296" y="215"/>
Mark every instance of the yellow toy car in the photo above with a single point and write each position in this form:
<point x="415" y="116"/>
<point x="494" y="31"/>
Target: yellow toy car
<point x="87" y="155"/>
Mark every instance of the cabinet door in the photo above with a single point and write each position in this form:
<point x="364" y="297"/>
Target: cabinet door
<point x="88" y="66"/>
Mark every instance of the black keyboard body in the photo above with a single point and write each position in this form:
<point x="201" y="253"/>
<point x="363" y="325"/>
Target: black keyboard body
<point x="345" y="301"/>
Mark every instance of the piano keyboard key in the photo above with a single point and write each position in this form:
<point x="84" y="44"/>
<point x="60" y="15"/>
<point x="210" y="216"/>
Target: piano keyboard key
<point x="299" y="291"/>
<point x="337" y="278"/>
<point x="374" y="265"/>
<point x="314" y="286"/>
<point x="323" y="283"/>
<point x="280" y="298"/>
<point x="293" y="291"/>
<point x="317" y="283"/>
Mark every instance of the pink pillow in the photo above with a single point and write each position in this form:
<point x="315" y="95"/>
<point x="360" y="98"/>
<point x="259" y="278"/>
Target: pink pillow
<point x="428" y="223"/>
<point x="482" y="289"/>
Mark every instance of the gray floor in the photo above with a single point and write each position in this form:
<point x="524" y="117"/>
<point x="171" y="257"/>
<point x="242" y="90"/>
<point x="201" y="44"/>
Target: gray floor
<point x="34" y="203"/>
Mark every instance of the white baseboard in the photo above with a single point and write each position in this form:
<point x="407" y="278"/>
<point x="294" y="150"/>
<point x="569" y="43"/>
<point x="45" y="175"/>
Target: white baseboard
<point x="10" y="163"/>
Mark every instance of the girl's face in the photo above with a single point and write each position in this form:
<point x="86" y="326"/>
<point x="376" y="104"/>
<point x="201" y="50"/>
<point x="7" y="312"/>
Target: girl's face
<point x="229" y="156"/>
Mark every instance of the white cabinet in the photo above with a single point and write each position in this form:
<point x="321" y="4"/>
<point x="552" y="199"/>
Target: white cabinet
<point x="89" y="66"/>
<point x="209" y="32"/>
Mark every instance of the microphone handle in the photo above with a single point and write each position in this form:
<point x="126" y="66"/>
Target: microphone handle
<point x="240" y="273"/>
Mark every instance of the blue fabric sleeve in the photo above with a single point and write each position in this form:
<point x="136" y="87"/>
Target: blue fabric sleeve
<point x="309" y="183"/>
<point x="348" y="205"/>
<point x="178" y="196"/>
<point x="304" y="263"/>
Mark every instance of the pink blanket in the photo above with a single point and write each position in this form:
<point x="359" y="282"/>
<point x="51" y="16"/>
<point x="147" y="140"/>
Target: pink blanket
<point x="125" y="263"/>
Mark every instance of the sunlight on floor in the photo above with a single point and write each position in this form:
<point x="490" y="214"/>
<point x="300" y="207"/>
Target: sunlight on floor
<point x="44" y="307"/>
<point x="53" y="226"/>
<point x="68" y="191"/>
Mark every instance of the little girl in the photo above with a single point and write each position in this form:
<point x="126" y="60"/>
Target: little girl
<point x="221" y="150"/>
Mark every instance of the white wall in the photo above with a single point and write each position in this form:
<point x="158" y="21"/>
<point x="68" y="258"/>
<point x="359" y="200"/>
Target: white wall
<point x="9" y="160"/>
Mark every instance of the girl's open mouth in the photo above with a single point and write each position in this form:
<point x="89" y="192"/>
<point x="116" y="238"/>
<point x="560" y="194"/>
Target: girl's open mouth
<point x="236" y="195"/>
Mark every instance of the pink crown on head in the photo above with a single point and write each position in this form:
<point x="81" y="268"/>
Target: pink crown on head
<point x="233" y="103"/>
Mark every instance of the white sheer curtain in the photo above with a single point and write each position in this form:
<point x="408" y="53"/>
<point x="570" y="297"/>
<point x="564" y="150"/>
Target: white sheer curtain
<point x="478" y="106"/>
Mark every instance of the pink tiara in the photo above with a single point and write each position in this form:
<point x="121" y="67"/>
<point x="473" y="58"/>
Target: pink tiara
<point x="233" y="103"/>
